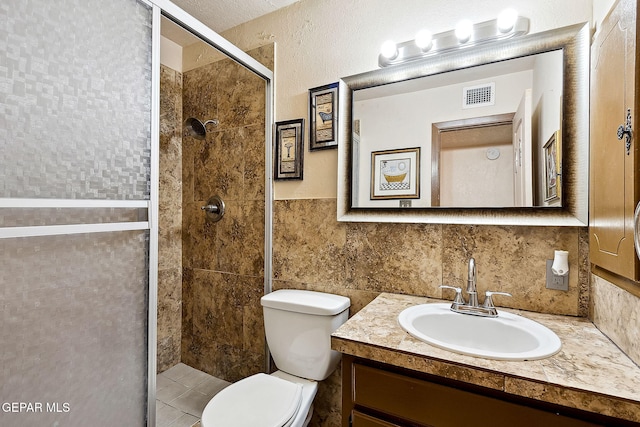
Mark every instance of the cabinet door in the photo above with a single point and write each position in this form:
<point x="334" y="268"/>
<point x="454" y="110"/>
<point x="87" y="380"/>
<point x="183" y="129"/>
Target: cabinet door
<point x="613" y="170"/>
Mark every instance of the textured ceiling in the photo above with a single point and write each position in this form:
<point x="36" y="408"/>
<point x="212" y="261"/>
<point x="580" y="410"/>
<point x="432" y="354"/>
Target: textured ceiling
<point x="220" y="15"/>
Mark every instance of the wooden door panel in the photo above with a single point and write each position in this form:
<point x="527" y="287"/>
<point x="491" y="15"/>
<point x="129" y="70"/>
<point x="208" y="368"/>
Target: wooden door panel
<point x="613" y="188"/>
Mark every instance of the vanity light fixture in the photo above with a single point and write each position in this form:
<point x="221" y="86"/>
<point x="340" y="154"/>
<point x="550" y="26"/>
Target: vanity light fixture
<point x="466" y="34"/>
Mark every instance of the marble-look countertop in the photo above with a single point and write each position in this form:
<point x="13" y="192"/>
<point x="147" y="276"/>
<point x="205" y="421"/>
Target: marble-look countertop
<point x="589" y="372"/>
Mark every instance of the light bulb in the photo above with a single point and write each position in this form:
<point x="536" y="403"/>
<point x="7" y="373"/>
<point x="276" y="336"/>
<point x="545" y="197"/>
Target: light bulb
<point x="463" y="30"/>
<point x="389" y="49"/>
<point x="507" y="19"/>
<point x="424" y="40"/>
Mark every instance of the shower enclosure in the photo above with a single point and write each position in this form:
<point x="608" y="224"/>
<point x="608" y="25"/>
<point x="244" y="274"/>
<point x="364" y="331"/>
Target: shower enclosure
<point x="212" y="161"/>
<point x="79" y="95"/>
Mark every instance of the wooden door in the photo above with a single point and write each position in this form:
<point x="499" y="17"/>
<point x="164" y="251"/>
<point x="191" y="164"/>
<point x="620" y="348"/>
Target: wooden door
<point x="613" y="170"/>
<point x="523" y="153"/>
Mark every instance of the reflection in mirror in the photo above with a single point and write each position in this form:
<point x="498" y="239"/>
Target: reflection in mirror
<point x="481" y="131"/>
<point x="501" y="135"/>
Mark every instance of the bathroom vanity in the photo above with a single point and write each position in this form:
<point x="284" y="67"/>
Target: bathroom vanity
<point x="391" y="379"/>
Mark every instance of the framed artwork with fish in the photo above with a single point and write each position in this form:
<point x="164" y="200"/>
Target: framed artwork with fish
<point x="395" y="174"/>
<point x="289" y="149"/>
<point x="323" y="116"/>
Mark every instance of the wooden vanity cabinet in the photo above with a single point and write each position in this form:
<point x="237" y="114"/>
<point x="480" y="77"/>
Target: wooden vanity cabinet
<point x="379" y="395"/>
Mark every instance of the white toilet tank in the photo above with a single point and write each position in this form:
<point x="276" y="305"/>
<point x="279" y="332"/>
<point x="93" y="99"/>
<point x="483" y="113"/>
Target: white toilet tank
<point x="298" y="326"/>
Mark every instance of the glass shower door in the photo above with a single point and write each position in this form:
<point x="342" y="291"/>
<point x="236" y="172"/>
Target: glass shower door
<point x="75" y="203"/>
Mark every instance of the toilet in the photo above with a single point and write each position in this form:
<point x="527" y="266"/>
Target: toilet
<point x="298" y="326"/>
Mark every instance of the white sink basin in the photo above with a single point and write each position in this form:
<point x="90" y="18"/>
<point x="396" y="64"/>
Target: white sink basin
<point x="506" y="337"/>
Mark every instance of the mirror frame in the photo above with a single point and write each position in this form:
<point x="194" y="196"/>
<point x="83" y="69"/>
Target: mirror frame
<point x="574" y="41"/>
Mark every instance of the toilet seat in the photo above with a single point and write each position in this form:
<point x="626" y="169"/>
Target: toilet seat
<point x="259" y="400"/>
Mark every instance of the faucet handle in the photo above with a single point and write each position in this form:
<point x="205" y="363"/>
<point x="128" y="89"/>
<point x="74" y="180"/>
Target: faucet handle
<point x="488" y="298"/>
<point x="458" y="299"/>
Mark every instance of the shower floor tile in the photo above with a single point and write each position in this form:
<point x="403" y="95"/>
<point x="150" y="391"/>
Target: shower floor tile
<point x="182" y="392"/>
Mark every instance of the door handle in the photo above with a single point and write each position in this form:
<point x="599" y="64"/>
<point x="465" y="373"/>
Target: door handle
<point x="624" y="131"/>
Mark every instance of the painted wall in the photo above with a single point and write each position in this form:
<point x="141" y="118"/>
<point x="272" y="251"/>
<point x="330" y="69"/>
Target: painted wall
<point x="319" y="41"/>
<point x="469" y="178"/>
<point x="547" y="112"/>
<point x="170" y="54"/>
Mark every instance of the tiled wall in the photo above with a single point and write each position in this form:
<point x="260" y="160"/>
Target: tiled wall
<point x="616" y="313"/>
<point x="170" y="220"/>
<point x="223" y="262"/>
<point x="359" y="260"/>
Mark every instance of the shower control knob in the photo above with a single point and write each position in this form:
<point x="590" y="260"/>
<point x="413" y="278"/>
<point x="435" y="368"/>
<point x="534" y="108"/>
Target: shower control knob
<point x="214" y="209"/>
<point x="210" y="208"/>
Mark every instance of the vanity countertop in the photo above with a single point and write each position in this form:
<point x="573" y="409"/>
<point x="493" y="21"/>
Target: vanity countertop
<point x="589" y="372"/>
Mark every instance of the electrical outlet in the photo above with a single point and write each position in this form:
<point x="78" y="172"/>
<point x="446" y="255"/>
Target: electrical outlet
<point x="405" y="203"/>
<point x="559" y="283"/>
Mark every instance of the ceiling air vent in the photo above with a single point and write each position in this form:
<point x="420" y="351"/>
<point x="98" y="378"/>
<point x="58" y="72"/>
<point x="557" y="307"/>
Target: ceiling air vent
<point x="479" y="96"/>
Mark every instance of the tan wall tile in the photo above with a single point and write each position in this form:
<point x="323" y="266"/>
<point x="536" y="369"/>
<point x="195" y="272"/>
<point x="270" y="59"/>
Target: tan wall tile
<point x="416" y="258"/>
<point x="404" y="258"/>
<point x="170" y="220"/>
<point x="513" y="259"/>
<point x="308" y="242"/>
<point x="169" y="318"/>
<point x="223" y="332"/>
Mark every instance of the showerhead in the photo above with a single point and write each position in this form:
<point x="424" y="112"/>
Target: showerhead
<point x="196" y="128"/>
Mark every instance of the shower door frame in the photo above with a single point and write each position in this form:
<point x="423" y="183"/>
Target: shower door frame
<point x="174" y="13"/>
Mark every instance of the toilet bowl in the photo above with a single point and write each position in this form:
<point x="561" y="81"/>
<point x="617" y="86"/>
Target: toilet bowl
<point x="298" y="327"/>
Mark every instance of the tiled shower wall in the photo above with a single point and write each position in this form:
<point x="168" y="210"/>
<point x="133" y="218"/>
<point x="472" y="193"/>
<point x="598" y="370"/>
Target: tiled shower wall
<point x="170" y="220"/>
<point x="223" y="262"/>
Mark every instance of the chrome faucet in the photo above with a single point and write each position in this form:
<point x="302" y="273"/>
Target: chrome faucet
<point x="459" y="305"/>
<point x="472" y="274"/>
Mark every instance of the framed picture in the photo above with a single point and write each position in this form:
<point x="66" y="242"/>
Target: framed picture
<point x="289" y="149"/>
<point x="552" y="168"/>
<point x="395" y="174"/>
<point x="323" y="116"/>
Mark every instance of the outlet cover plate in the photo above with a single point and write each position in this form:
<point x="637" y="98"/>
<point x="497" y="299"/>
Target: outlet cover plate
<point x="559" y="283"/>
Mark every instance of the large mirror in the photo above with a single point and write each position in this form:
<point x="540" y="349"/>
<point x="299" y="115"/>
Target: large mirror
<point x="496" y="134"/>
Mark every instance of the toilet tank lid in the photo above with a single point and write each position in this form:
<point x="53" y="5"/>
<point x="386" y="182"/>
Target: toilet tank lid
<point x="308" y="302"/>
